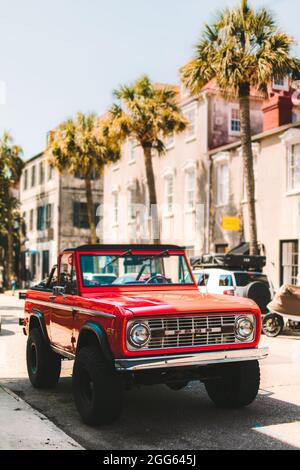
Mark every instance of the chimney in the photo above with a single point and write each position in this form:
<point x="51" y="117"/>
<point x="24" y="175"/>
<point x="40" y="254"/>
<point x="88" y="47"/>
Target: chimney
<point x="277" y="109"/>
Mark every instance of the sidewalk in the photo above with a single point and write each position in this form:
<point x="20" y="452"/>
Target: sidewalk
<point x="10" y="292"/>
<point x="23" y="428"/>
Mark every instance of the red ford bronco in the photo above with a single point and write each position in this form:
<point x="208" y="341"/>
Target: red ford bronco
<point x="133" y="315"/>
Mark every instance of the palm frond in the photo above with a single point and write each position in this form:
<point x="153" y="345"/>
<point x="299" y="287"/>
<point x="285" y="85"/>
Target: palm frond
<point x="241" y="46"/>
<point x="150" y="113"/>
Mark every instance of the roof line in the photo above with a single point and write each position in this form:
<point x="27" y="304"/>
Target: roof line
<point x="255" y="138"/>
<point x="34" y="157"/>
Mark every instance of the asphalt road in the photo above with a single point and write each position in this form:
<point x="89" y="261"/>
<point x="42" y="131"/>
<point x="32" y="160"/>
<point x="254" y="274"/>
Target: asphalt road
<point x="157" y="418"/>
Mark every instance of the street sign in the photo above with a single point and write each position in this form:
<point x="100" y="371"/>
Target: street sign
<point x="231" y="224"/>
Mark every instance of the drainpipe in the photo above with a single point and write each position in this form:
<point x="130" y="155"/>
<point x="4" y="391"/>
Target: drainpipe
<point x="209" y="220"/>
<point x="208" y="161"/>
<point x="59" y="214"/>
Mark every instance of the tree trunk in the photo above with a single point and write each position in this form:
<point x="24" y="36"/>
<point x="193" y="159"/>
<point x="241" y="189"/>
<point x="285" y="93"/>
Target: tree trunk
<point x="10" y="251"/>
<point x="244" y="99"/>
<point x="90" y="209"/>
<point x="211" y="209"/>
<point x="152" y="194"/>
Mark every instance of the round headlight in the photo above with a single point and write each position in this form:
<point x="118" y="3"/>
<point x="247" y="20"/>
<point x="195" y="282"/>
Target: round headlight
<point x="139" y="335"/>
<point x="244" y="328"/>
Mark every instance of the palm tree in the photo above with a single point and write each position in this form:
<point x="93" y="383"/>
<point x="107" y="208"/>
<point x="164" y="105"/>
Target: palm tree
<point x="148" y="113"/>
<point x="243" y="48"/>
<point x="81" y="145"/>
<point x="11" y="165"/>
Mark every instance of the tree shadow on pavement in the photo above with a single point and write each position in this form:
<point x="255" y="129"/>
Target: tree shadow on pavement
<point x="9" y="319"/>
<point x="10" y="308"/>
<point x="158" y="418"/>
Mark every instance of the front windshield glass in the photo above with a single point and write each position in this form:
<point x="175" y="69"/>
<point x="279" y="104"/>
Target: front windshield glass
<point x="114" y="270"/>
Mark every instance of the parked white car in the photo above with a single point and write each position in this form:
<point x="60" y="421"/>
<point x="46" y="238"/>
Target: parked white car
<point x="233" y="282"/>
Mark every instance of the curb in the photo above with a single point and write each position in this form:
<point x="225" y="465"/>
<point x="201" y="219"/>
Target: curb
<point x="36" y="432"/>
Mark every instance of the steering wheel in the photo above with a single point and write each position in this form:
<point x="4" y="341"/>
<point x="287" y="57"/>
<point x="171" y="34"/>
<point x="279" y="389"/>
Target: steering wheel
<point x="158" y="277"/>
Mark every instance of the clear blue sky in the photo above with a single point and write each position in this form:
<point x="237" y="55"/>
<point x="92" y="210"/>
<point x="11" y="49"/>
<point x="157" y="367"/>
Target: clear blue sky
<point x="63" y="56"/>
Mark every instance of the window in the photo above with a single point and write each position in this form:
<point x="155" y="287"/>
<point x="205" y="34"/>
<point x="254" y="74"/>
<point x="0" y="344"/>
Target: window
<point x="45" y="263"/>
<point x="33" y="265"/>
<point x="190" y="185"/>
<point x="132" y="147"/>
<point x="235" y="121"/>
<point x="41" y="219"/>
<point x="138" y="269"/>
<point x="25" y="180"/>
<point x="33" y="176"/>
<point x="131" y="206"/>
<point x="49" y="216"/>
<point x="223" y="184"/>
<point x="67" y="273"/>
<point x="281" y="83"/>
<point x="24" y="217"/>
<point x="289" y="262"/>
<point x="44" y="217"/>
<point x="94" y="175"/>
<point x="50" y="172"/>
<point x="169" y="194"/>
<point x="190" y="115"/>
<point x="294" y="167"/>
<point x="116" y="208"/>
<point x="170" y="141"/>
<point x="80" y="215"/>
<point x="202" y="279"/>
<point x="31" y="215"/>
<point x="42" y="172"/>
<point x="225" y="280"/>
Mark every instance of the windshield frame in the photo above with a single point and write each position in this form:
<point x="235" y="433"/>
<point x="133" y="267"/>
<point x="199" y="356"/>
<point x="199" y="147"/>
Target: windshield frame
<point x="132" y="287"/>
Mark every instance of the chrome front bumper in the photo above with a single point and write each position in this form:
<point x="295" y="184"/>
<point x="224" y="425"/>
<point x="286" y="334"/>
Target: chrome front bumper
<point x="188" y="360"/>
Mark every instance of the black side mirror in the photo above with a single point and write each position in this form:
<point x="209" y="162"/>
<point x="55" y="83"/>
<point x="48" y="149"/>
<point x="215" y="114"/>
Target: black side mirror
<point x="22" y="295"/>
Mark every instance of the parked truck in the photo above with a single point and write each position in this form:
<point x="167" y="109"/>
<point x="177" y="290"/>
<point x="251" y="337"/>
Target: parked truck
<point x="132" y="315"/>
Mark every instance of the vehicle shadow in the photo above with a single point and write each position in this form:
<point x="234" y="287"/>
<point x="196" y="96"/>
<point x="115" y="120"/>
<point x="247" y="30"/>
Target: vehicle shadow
<point x="6" y="332"/>
<point x="158" y="418"/>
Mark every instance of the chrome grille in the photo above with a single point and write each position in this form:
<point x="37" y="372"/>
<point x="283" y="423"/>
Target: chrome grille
<point x="191" y="331"/>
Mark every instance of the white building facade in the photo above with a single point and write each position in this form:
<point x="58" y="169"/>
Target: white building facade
<point x="181" y="176"/>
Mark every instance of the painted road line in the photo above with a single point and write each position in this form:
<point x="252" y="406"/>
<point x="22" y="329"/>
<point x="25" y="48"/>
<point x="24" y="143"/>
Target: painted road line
<point x="23" y="428"/>
<point x="289" y="433"/>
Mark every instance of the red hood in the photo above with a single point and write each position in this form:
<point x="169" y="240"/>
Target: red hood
<point x="175" y="301"/>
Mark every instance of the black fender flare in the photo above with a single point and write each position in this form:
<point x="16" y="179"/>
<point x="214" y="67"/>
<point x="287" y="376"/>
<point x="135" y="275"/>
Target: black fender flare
<point x="101" y="336"/>
<point x="40" y="317"/>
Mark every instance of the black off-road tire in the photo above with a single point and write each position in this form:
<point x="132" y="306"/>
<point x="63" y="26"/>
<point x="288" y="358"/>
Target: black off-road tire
<point x="97" y="387"/>
<point x="237" y="385"/>
<point x="260" y="293"/>
<point x="43" y="365"/>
